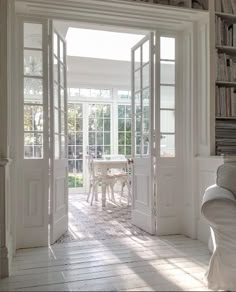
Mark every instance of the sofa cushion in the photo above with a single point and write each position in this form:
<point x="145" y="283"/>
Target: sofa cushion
<point x="226" y="177"/>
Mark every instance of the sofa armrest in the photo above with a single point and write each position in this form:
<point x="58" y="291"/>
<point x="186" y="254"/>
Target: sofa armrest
<point x="218" y="203"/>
<point x="217" y="193"/>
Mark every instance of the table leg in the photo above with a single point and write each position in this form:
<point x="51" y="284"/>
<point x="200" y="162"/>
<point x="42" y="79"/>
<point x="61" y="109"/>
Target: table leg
<point x="103" y="194"/>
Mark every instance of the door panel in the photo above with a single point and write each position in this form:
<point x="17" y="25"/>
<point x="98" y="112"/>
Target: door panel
<point x="169" y="165"/>
<point x="32" y="215"/>
<point x="142" y="133"/>
<point x="58" y="134"/>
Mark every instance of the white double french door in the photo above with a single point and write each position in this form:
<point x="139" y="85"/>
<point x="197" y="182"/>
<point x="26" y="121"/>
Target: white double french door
<point x="43" y="200"/>
<point x="43" y="181"/>
<point x="155" y="141"/>
<point x="58" y="136"/>
<point x="143" y="133"/>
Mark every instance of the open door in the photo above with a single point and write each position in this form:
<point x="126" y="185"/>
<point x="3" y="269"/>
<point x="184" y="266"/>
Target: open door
<point x="58" y="136"/>
<point x="143" y="134"/>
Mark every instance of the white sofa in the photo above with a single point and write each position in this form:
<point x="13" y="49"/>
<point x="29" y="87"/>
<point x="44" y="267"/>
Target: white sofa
<point x="219" y="209"/>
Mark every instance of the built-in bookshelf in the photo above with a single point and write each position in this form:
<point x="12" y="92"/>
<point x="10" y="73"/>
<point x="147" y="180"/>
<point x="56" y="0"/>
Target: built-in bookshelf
<point x="225" y="90"/>
<point x="195" y="4"/>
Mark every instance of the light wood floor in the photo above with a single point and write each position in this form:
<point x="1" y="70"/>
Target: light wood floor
<point x="130" y="264"/>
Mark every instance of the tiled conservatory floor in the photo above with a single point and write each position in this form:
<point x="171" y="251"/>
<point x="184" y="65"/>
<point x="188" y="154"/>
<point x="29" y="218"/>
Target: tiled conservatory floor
<point x="88" y="222"/>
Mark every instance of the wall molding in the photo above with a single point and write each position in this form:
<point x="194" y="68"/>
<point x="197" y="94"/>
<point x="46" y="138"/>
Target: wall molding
<point x="6" y="7"/>
<point x="4" y="259"/>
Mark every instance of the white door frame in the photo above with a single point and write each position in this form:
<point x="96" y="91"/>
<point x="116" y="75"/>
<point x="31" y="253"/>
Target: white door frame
<point x="124" y="15"/>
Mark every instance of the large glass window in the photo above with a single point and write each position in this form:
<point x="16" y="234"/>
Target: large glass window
<point x="96" y="127"/>
<point x="33" y="91"/>
<point x="124" y="129"/>
<point x="167" y="102"/>
<point x="75" y="145"/>
<point x="99" y="130"/>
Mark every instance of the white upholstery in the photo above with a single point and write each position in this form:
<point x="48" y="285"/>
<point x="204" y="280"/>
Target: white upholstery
<point x="219" y="209"/>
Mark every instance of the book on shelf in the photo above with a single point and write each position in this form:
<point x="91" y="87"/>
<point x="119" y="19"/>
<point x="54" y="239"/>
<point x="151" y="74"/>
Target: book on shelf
<point x="225" y="6"/>
<point x="225" y="32"/>
<point x="226" y="67"/>
<point x="225" y="102"/>
<point x="225" y="137"/>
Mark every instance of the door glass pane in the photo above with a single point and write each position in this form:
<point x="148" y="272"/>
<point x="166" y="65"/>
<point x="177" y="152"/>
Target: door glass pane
<point x="33" y="65"/>
<point x="33" y="118"/>
<point x="138" y="143"/>
<point x="33" y="145"/>
<point x="33" y="90"/>
<point x="56" y="96"/>
<point x="62" y="113"/>
<point x="61" y="50"/>
<point x="62" y="99"/>
<point x="167" y="145"/>
<point x="167" y="97"/>
<point x="146" y="78"/>
<point x="75" y="148"/>
<point x="167" y="72"/>
<point x="33" y="35"/>
<point x="167" y="48"/>
<point x="56" y="70"/>
<point x="145" y="150"/>
<point x="167" y="121"/>
<point x="146" y="52"/>
<point x="63" y="147"/>
<point x="137" y="80"/>
<point x="137" y="58"/>
<point x="62" y="75"/>
<point x="124" y="131"/>
<point x="146" y="95"/>
<point x="57" y="146"/>
<point x="56" y="121"/>
<point x="55" y="44"/>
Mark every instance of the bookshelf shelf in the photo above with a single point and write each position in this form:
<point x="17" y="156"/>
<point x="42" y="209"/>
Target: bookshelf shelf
<point x="226" y="118"/>
<point x="226" y="49"/>
<point x="227" y="16"/>
<point x="226" y="83"/>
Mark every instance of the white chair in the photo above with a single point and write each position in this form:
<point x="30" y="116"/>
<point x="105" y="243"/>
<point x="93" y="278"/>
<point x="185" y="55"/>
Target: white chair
<point x="122" y="176"/>
<point x="96" y="178"/>
<point x="219" y="209"/>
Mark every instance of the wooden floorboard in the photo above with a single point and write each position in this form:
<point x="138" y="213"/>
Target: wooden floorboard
<point x="174" y="263"/>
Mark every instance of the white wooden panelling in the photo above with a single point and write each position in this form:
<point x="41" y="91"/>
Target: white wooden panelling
<point x="167" y="186"/>
<point x="203" y="91"/>
<point x="4" y="260"/>
<point x="169" y="196"/>
<point x="33" y="190"/>
<point x="159" y="264"/>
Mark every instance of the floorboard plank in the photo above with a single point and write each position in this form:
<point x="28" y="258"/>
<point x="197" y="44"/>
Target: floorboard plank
<point x="160" y="264"/>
